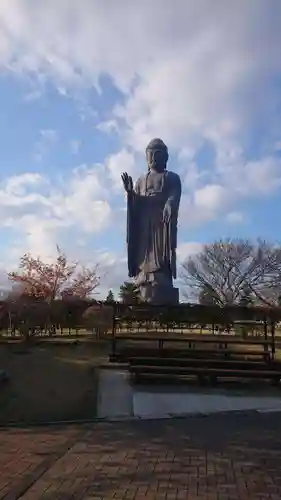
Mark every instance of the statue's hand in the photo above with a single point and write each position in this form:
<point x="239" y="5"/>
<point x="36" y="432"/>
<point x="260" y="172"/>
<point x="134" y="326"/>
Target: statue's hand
<point x="127" y="182"/>
<point x="167" y="213"/>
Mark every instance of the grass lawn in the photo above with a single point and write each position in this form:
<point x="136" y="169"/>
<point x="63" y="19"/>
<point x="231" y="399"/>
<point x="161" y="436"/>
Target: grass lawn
<point x="56" y="378"/>
<point x="50" y="382"/>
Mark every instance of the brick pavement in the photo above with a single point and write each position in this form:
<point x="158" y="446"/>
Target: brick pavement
<point x="220" y="457"/>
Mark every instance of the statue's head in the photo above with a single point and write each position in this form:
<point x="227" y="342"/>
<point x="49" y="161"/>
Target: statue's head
<point x="157" y="155"/>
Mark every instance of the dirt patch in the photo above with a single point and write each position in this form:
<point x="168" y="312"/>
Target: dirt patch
<point x="50" y="382"/>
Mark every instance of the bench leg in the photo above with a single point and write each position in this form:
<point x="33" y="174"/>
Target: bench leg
<point x="201" y="379"/>
<point x="275" y="381"/>
<point x="136" y="378"/>
<point x="213" y="379"/>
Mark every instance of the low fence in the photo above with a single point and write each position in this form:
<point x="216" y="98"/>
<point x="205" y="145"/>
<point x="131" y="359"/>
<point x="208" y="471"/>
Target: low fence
<point x="192" y="317"/>
<point x="61" y="318"/>
<point x="88" y="318"/>
<point x="48" y="331"/>
<point x="188" y="323"/>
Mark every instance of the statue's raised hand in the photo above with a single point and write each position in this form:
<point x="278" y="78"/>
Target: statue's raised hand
<point x="127" y="182"/>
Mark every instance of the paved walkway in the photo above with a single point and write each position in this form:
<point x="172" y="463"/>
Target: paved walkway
<point x="220" y="457"/>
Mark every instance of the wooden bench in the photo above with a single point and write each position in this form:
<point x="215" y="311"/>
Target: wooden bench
<point x="3" y="377"/>
<point x="140" y="373"/>
<point x="206" y="362"/>
<point x="221" y="342"/>
<point x="196" y="338"/>
<point x="129" y="352"/>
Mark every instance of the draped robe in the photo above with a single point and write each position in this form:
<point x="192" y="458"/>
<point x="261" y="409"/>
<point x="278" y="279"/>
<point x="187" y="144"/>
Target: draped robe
<point x="151" y="243"/>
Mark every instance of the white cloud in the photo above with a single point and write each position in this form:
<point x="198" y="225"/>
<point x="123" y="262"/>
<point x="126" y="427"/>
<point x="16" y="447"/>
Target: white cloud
<point x="85" y="203"/>
<point x="75" y="145"/>
<point x="48" y="138"/>
<point x="210" y="197"/>
<point x="108" y="126"/>
<point x="49" y="135"/>
<point x="203" y="205"/>
<point x="187" y="249"/>
<point x="17" y="185"/>
<point x="190" y="71"/>
<point x="194" y="68"/>
<point x="40" y="210"/>
<point x="203" y="71"/>
<point x="113" y="273"/>
<point x="123" y="161"/>
<point x="247" y="177"/>
<point x="192" y="176"/>
<point x="39" y="236"/>
<point x="235" y="217"/>
<point x="262" y="177"/>
<point x="33" y="95"/>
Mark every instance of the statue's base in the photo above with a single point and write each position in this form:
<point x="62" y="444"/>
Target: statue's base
<point x="159" y="294"/>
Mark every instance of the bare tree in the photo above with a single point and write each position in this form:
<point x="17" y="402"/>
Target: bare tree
<point x="224" y="269"/>
<point x="207" y="297"/>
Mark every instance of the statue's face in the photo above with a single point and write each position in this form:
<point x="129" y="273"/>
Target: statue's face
<point x="156" y="159"/>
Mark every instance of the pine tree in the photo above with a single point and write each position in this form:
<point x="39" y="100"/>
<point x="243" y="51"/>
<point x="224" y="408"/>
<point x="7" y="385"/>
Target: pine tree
<point x="110" y="297"/>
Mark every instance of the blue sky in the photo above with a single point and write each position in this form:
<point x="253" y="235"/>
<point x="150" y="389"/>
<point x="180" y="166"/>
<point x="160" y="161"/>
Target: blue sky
<point x="85" y="85"/>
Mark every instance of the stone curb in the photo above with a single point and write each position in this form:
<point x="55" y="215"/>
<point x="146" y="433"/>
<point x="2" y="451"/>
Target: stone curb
<point x="126" y="418"/>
